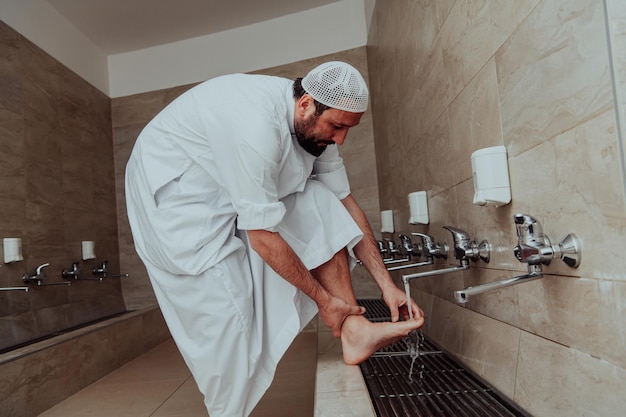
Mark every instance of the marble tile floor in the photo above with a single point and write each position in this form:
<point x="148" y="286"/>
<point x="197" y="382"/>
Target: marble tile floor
<point x="158" y="384"/>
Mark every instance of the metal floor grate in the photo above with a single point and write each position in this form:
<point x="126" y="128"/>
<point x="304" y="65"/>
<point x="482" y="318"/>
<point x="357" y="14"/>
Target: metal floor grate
<point x="440" y="386"/>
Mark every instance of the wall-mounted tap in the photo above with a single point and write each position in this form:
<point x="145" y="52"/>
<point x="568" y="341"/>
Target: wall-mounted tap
<point x="465" y="247"/>
<point x="39" y="277"/>
<point x="396" y="255"/>
<point x="73" y="273"/>
<point x="382" y="248"/>
<point x="428" y="249"/>
<point x="533" y="248"/>
<point x="410" y="249"/>
<point x="438" y="250"/>
<point x="393" y="249"/>
<point x="464" y="250"/>
<point x="102" y="271"/>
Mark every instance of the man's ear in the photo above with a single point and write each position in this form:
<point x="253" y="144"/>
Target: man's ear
<point x="305" y="106"/>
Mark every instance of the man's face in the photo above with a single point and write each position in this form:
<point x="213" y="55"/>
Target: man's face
<point x="316" y="132"/>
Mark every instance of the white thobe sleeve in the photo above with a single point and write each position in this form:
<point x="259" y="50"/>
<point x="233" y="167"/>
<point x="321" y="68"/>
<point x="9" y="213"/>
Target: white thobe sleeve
<point x="329" y="169"/>
<point x="249" y="161"/>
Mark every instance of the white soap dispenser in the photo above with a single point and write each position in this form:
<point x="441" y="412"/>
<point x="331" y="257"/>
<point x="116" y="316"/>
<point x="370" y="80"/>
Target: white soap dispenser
<point x="490" y="170"/>
<point x="386" y="220"/>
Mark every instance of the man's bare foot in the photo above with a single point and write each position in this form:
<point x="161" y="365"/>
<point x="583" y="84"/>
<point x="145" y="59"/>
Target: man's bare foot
<point x="360" y="338"/>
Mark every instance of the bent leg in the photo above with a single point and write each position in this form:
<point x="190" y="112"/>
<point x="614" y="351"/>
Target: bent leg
<point x="360" y="338"/>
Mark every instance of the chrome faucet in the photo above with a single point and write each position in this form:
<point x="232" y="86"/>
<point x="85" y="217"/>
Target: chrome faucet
<point x="430" y="249"/>
<point x="102" y="271"/>
<point x="393" y="249"/>
<point x="465" y="247"/>
<point x="438" y="250"/>
<point x="533" y="248"/>
<point x="39" y="276"/>
<point x="464" y="250"/>
<point x="409" y="247"/>
<point x="395" y="252"/>
<point x="382" y="248"/>
<point x="73" y="273"/>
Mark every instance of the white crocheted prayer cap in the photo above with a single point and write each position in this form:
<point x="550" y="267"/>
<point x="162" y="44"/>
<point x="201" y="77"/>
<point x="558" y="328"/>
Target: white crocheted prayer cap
<point x="337" y="85"/>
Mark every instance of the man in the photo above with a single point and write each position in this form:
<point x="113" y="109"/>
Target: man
<point x="241" y="211"/>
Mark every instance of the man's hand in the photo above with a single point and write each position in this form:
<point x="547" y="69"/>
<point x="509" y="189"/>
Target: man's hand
<point x="397" y="303"/>
<point x="334" y="312"/>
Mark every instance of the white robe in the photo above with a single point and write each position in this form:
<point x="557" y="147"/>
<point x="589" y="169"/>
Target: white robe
<point x="217" y="161"/>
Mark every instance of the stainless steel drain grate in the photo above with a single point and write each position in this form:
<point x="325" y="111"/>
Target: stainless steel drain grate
<point x="440" y="386"/>
<point x="375" y="310"/>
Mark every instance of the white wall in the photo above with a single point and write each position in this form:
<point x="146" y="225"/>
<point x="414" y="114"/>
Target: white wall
<point x="336" y="27"/>
<point x="40" y="23"/>
<point x="320" y="31"/>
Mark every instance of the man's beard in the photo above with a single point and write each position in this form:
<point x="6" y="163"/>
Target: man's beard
<point x="309" y="142"/>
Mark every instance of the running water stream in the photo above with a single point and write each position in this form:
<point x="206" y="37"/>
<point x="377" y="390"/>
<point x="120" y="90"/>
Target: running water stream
<point x="415" y="337"/>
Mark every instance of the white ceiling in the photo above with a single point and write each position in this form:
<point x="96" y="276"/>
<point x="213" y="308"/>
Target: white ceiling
<point x="117" y="26"/>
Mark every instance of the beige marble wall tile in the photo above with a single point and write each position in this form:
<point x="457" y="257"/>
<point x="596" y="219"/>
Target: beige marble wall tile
<point x="14" y="390"/>
<point x="579" y="313"/>
<point x="612" y="297"/>
<point x="487" y="346"/>
<point x="506" y="16"/>
<point x="442" y="211"/>
<point x="616" y="11"/>
<point x="556" y="381"/>
<point x="475" y="118"/>
<point x="12" y="169"/>
<point x="441" y="155"/>
<point x="136" y="109"/>
<point x="425" y="301"/>
<point x="541" y="86"/>
<point x="466" y="42"/>
<point x="56" y="136"/>
<point x="553" y="72"/>
<point x="574" y="186"/>
<point x="616" y="16"/>
<point x="500" y="304"/>
<point x="11" y="127"/>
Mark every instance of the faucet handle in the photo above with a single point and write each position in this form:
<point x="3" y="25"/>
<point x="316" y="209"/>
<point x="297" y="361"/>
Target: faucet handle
<point x="465" y="248"/>
<point x="382" y="248"/>
<point x="39" y="269"/>
<point x="72" y="273"/>
<point x="534" y="248"/>
<point x="102" y="269"/>
<point x="409" y="247"/>
<point x="461" y="238"/>
<point x="39" y="274"/>
<point x="428" y="241"/>
<point x="528" y="229"/>
<point x="438" y="250"/>
<point x="393" y="249"/>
